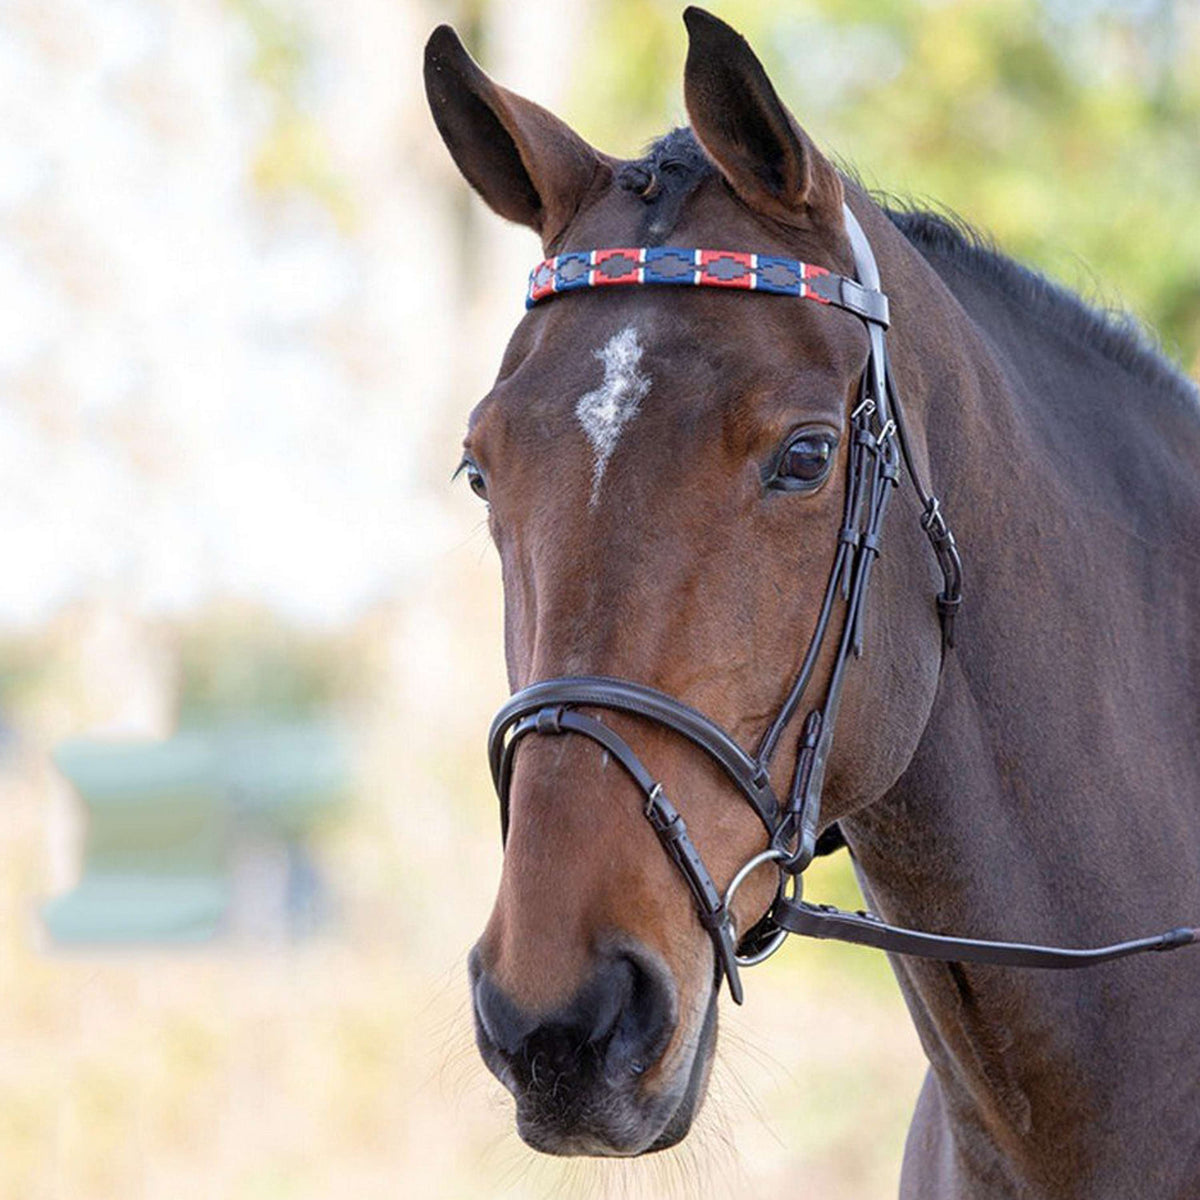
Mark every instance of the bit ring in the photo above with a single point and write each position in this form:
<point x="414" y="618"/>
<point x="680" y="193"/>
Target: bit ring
<point x="776" y="940"/>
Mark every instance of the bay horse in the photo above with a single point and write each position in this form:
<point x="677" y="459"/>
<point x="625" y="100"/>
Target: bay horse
<point x="683" y="483"/>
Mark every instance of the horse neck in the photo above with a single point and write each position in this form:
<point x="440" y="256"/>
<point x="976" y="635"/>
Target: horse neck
<point x="1052" y="797"/>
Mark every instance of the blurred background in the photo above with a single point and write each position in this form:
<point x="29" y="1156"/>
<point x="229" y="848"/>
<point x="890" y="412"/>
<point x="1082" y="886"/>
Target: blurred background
<point x="250" y="633"/>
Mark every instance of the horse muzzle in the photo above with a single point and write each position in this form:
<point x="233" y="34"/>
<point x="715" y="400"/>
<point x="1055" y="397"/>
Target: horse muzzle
<point x="593" y="1076"/>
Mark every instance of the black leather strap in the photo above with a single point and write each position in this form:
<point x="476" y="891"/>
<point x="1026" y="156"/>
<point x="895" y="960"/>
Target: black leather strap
<point x="950" y="599"/>
<point x="710" y="905"/>
<point x="863" y="929"/>
<point x="852" y="296"/>
<point x="663" y="816"/>
<point x="599" y="691"/>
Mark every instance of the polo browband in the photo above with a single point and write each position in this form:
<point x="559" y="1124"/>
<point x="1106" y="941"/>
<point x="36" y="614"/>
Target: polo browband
<point x="879" y="442"/>
<point x="703" y="268"/>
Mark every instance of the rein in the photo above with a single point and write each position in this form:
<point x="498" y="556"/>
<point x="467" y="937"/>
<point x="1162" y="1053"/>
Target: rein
<point x="879" y="443"/>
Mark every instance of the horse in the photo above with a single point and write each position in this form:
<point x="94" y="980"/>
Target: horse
<point x="675" y="478"/>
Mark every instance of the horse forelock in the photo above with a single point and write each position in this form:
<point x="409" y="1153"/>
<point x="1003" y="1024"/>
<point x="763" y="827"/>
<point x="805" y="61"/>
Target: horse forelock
<point x="663" y="179"/>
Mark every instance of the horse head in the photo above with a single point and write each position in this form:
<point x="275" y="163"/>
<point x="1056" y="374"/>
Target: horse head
<point x="666" y="475"/>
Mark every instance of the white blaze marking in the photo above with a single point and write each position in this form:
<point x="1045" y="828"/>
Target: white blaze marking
<point x="605" y="412"/>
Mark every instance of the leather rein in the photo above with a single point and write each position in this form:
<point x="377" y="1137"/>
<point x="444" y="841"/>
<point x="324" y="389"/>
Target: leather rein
<point x="879" y="442"/>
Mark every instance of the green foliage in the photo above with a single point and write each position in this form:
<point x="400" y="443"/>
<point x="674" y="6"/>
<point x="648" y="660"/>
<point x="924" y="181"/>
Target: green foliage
<point x="1070" y="131"/>
<point x="294" y="156"/>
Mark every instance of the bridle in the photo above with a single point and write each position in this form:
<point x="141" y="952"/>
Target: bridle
<point x="879" y="441"/>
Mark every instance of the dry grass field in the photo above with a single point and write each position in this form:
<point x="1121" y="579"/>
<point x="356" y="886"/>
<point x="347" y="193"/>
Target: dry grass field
<point x="344" y="1067"/>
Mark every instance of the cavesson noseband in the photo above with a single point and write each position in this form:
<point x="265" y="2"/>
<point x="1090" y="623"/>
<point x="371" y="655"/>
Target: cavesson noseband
<point x="879" y="440"/>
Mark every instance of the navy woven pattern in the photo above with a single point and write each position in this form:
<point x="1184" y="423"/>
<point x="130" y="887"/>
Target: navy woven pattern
<point x="676" y="265"/>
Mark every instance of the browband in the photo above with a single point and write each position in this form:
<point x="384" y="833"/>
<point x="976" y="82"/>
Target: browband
<point x="703" y="268"/>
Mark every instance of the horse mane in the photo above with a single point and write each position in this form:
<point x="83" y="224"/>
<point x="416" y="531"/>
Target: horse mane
<point x="675" y="164"/>
<point x="1112" y="332"/>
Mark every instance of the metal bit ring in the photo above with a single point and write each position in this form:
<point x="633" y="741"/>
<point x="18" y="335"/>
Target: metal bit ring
<point x="777" y="939"/>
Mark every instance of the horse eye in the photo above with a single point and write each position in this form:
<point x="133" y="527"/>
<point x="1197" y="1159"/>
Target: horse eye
<point x="804" y="462"/>
<point x="475" y="479"/>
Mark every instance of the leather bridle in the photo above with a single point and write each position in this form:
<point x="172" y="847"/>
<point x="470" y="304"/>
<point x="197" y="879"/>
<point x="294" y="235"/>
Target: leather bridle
<point x="879" y="441"/>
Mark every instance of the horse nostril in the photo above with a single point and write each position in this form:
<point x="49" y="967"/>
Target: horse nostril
<point x="647" y="1019"/>
<point x="505" y="1025"/>
<point x="616" y="1025"/>
<point x="599" y="1006"/>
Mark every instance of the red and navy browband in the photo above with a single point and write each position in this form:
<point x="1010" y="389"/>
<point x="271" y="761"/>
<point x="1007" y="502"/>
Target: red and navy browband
<point x="703" y="268"/>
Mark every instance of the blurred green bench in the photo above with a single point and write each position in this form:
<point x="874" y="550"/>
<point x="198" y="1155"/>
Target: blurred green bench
<point x="164" y="821"/>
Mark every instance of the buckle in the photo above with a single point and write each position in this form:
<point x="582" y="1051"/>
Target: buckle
<point x="653" y="805"/>
<point x="933" y="516"/>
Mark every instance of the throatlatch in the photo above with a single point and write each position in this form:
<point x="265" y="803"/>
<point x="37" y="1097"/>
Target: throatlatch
<point x="879" y="442"/>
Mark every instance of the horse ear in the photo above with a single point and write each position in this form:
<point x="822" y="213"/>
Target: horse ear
<point x="764" y="155"/>
<point x="525" y="163"/>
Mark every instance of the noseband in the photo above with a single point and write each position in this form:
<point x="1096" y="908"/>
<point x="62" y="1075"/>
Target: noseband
<point x="879" y="441"/>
